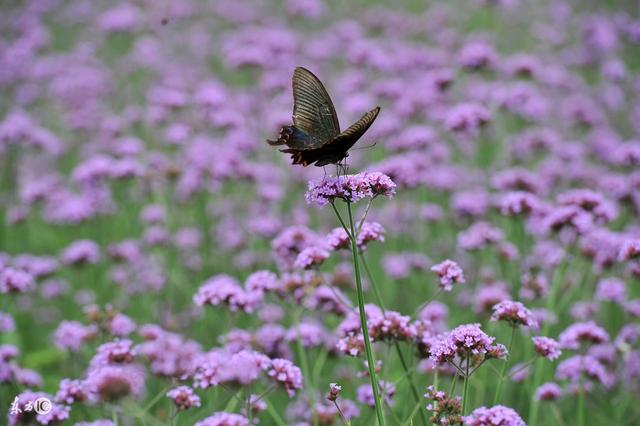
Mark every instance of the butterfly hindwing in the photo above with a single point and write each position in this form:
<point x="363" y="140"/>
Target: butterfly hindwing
<point x="292" y="137"/>
<point x="313" y="110"/>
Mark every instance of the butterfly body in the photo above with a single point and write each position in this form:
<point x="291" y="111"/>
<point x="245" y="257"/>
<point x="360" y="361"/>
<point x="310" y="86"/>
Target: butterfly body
<point x="315" y="137"/>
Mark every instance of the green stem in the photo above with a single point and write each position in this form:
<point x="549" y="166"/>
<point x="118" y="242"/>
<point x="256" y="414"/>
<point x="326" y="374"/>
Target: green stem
<point x="581" y="393"/>
<point x="346" y="229"/>
<point x="465" y="393"/>
<point x="302" y="354"/>
<point x="557" y="282"/>
<point x="504" y="367"/>
<point x="274" y="414"/>
<point x="363" y="323"/>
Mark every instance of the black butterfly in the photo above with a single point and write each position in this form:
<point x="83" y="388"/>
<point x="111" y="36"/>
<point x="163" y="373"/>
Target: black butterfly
<point x="315" y="135"/>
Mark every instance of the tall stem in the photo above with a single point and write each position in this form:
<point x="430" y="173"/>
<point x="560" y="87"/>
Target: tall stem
<point x="363" y="323"/>
<point x="581" y="392"/>
<point x="405" y="367"/>
<point x="556" y="284"/>
<point x="465" y="393"/>
<point x="504" y="367"/>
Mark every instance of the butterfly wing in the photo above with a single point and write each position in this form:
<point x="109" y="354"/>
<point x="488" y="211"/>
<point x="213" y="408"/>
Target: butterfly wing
<point x="356" y="130"/>
<point x="313" y="111"/>
<point x="336" y="149"/>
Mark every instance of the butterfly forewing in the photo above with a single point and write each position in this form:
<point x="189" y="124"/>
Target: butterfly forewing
<point x="313" y="111"/>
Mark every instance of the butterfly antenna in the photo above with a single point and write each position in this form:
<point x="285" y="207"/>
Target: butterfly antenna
<point x="366" y="147"/>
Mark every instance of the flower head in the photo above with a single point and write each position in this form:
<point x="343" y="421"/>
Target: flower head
<point x="466" y="339"/>
<point x="582" y="332"/>
<point x="546" y="347"/>
<point x="515" y="313"/>
<point x="449" y="273"/>
<point x="223" y="418"/>
<point x="350" y="188"/>
<point x="498" y="415"/>
<point x="334" y="391"/>
<point x="285" y="372"/>
<point x="184" y="397"/>
<point x="548" y="392"/>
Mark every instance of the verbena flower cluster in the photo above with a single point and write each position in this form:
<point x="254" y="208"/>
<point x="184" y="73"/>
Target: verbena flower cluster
<point x="349" y="188"/>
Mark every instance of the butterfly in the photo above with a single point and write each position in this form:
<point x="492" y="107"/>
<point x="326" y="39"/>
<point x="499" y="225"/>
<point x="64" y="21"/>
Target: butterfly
<point x="315" y="135"/>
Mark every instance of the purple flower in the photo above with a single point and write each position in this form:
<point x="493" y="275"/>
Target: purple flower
<point x="121" y="325"/>
<point x="71" y="391"/>
<point x="534" y="286"/>
<point x="7" y="325"/>
<point x="467" y="118"/>
<point x="121" y="18"/>
<point x="628" y="335"/>
<point x="350" y="188"/>
<point x="223" y="289"/>
<point x="387" y="392"/>
<point x="477" y="54"/>
<point x="392" y="326"/>
<point x="400" y="265"/>
<point x="611" y="290"/>
<point x="630" y="250"/>
<point x="306" y="8"/>
<point x="489" y="295"/>
<point x="370" y="231"/>
<point x="15" y="281"/>
<point x="27" y="377"/>
<point x="449" y="273"/>
<point x="548" y="392"/>
<point x="169" y="354"/>
<point x="118" y="352"/>
<point x="582" y="332"/>
<point x="594" y="203"/>
<point x="334" y="391"/>
<point x="286" y="373"/>
<point x="479" y="235"/>
<point x="518" y="203"/>
<point x="579" y="367"/>
<point x="436" y="314"/>
<point x="310" y="333"/>
<point x="262" y="281"/>
<point x="498" y="415"/>
<point x="311" y="257"/>
<point x="289" y="243"/>
<point x="184" y="397"/>
<point x="464" y="340"/>
<point x="515" y="313"/>
<point x="71" y="335"/>
<point x="223" y="418"/>
<point x="546" y="347"/>
<point x="338" y="239"/>
<point x="519" y="372"/>
<point x="446" y="410"/>
<point x="219" y="366"/>
<point x="111" y="383"/>
<point x="351" y="344"/>
<point x="81" y="252"/>
<point x="632" y="307"/>
<point x="58" y="414"/>
<point x="22" y="416"/>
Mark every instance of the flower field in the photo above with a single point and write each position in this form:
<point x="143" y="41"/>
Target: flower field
<point x="473" y="259"/>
